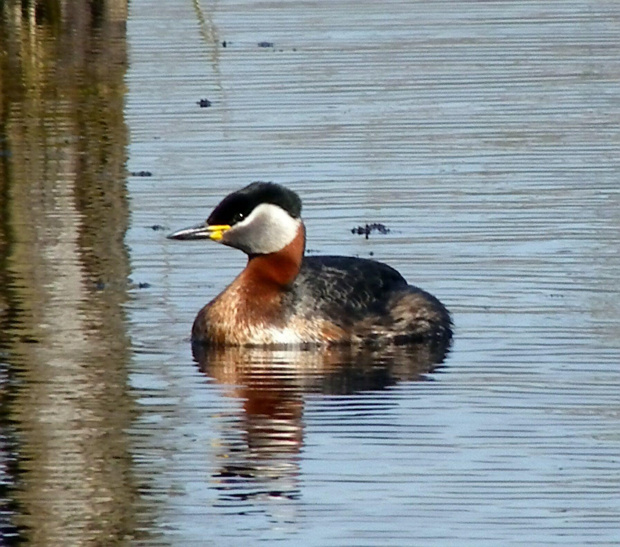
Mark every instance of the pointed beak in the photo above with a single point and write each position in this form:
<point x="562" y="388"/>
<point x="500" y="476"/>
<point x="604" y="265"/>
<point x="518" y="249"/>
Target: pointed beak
<point x="202" y="231"/>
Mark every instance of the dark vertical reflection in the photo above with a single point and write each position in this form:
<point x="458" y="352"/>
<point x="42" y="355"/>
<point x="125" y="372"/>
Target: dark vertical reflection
<point x="65" y="469"/>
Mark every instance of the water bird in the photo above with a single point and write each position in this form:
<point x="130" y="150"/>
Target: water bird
<point x="284" y="298"/>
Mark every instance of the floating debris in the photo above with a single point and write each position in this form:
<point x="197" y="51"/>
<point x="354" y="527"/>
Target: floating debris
<point x="367" y="229"/>
<point x="141" y="174"/>
<point x="204" y="103"/>
<point x="266" y="44"/>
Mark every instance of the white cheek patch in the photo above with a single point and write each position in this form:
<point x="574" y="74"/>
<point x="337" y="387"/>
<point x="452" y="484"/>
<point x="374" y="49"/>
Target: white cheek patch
<point x="267" y="229"/>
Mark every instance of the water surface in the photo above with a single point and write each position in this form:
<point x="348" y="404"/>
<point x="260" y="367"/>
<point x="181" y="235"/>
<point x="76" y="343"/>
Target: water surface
<point x="484" y="135"/>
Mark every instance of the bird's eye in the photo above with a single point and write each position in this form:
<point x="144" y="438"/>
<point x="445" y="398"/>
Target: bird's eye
<point x="238" y="218"/>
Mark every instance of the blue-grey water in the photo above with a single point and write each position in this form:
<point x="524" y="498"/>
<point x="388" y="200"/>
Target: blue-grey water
<point x="484" y="135"/>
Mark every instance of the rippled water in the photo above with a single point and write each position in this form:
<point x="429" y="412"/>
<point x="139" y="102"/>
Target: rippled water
<point x="484" y="135"/>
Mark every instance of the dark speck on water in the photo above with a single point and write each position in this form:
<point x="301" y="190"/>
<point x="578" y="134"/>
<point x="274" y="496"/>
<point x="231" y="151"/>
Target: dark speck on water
<point x="138" y="285"/>
<point x="204" y="103"/>
<point x="224" y="43"/>
<point x="265" y="44"/>
<point x="141" y="174"/>
<point x="367" y="229"/>
<point x="158" y="227"/>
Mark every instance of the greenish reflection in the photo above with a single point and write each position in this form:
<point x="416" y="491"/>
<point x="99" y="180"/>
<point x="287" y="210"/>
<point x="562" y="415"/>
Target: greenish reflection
<point x="65" y="463"/>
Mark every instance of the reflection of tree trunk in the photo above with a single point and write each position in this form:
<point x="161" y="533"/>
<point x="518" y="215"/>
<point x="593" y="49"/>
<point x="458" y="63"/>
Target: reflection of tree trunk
<point x="64" y="214"/>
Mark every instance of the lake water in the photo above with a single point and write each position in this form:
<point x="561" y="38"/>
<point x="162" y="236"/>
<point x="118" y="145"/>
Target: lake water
<point x="484" y="135"/>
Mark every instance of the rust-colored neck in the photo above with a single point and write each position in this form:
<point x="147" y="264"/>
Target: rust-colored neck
<point x="279" y="269"/>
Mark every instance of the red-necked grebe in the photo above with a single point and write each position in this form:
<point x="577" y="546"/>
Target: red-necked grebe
<point x="285" y="298"/>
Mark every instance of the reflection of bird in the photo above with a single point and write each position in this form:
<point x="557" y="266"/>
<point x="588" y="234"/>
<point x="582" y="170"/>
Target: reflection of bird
<point x="284" y="298"/>
<point x="334" y="370"/>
